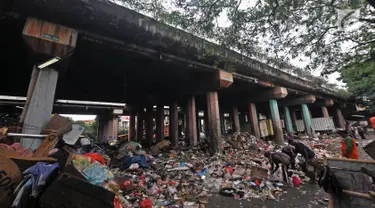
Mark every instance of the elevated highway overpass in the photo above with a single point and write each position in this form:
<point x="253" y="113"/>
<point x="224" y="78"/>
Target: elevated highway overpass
<point x="110" y="53"/>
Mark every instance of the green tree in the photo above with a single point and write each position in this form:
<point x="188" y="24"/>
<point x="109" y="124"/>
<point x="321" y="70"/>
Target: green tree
<point x="90" y="130"/>
<point x="360" y="79"/>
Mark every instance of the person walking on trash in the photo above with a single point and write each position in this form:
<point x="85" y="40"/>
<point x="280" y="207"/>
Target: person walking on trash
<point x="348" y="146"/>
<point x="275" y="159"/>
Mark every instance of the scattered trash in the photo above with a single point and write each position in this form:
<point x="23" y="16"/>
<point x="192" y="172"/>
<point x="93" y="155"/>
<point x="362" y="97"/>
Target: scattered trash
<point x="162" y="177"/>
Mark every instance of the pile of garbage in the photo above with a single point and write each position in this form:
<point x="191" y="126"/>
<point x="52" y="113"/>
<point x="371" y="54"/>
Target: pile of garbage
<point x="69" y="169"/>
<point x="242" y="141"/>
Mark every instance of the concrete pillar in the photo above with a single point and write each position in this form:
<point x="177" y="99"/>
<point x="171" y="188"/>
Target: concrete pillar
<point x="294" y="118"/>
<point x="205" y="122"/>
<point x="114" y="126"/>
<point x="222" y="122"/>
<point x="307" y="119"/>
<point x="131" y="131"/>
<point x="198" y="126"/>
<point x="191" y="130"/>
<point x="108" y="126"/>
<point x="173" y="123"/>
<point x="149" y="124"/>
<point x="325" y="112"/>
<point x="38" y="107"/>
<point x="253" y="118"/>
<point x="236" y="119"/>
<point x="288" y="120"/>
<point x="276" y="121"/>
<point x="340" y="118"/>
<point x="140" y="120"/>
<point x="214" y="129"/>
<point x="159" y="123"/>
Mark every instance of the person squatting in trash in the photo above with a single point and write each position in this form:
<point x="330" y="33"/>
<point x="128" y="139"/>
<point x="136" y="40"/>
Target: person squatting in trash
<point x="348" y="146"/>
<point x="309" y="156"/>
<point x="290" y="151"/>
<point x="302" y="149"/>
<point x="279" y="158"/>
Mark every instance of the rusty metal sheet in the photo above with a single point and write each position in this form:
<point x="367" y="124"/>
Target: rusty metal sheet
<point x="51" y="32"/>
<point x="322" y="124"/>
<point x="318" y="124"/>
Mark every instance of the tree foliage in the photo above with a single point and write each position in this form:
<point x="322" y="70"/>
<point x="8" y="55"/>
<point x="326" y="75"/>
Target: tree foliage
<point x="276" y="31"/>
<point x="360" y="81"/>
<point x="90" y="130"/>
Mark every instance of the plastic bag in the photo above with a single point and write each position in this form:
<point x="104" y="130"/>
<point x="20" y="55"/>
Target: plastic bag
<point x="172" y="190"/>
<point x="153" y="190"/>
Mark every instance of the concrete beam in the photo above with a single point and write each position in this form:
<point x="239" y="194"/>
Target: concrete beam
<point x="214" y="129"/>
<point x="274" y="93"/>
<point x="276" y="121"/>
<point x="191" y="119"/>
<point x="149" y="118"/>
<point x="131" y="131"/>
<point x="307" y="99"/>
<point x="294" y="117"/>
<point x="173" y="124"/>
<point x="38" y="106"/>
<point x="108" y="126"/>
<point x="325" y="112"/>
<point x="235" y="119"/>
<point x="159" y="118"/>
<point x="140" y="121"/>
<point x="253" y="117"/>
<point x="288" y="120"/>
<point x="307" y="119"/>
<point x="340" y="118"/>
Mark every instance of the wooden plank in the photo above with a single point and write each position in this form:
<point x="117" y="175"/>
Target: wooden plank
<point x="48" y="143"/>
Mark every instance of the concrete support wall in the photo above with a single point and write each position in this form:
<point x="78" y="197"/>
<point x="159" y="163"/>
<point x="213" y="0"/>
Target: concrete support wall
<point x="159" y="118"/>
<point x="214" y="128"/>
<point x="131" y="131"/>
<point x="236" y="119"/>
<point x="325" y="112"/>
<point x="191" y="119"/>
<point x="276" y="121"/>
<point x="39" y="104"/>
<point x="253" y="119"/>
<point x="173" y="124"/>
<point x="149" y="118"/>
<point x="340" y="118"/>
<point x="288" y="120"/>
<point x="307" y="119"/>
